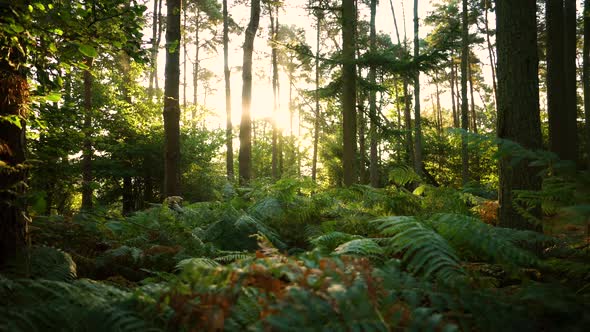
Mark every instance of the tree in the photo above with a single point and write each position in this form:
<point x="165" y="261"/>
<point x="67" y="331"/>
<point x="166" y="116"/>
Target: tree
<point x="374" y="158"/>
<point x="348" y="91"/>
<point x="13" y="111"/>
<point x="586" y="75"/>
<point x="561" y="82"/>
<point x="316" y="125"/>
<point x="518" y="102"/>
<point x="274" y="27"/>
<point x="171" y="100"/>
<point x="417" y="118"/>
<point x="226" y="74"/>
<point x="464" y="103"/>
<point x="87" y="130"/>
<point x="245" y="157"/>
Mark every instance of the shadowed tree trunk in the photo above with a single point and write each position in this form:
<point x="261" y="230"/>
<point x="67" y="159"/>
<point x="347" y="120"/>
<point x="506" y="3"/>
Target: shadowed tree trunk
<point x="87" y="145"/>
<point x="275" y="81"/>
<point x="417" y="117"/>
<point x="518" y="102"/>
<point x="14" y="90"/>
<point x="586" y="78"/>
<point x="374" y="164"/>
<point x="464" y="104"/>
<point x="316" y="125"/>
<point x="171" y="101"/>
<point x="349" y="92"/>
<point x="156" y="36"/>
<point x="229" y="159"/>
<point x="245" y="157"/>
<point x="569" y="146"/>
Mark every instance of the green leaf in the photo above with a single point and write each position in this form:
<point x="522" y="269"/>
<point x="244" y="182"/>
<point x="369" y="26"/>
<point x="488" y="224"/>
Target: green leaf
<point x="53" y="97"/>
<point x="88" y="50"/>
<point x="17" y="28"/>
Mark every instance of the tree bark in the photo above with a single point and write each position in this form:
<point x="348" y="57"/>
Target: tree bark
<point x="171" y="101"/>
<point x="454" y="107"/>
<point x="245" y="157"/>
<point x="196" y="66"/>
<point x="417" y="117"/>
<point x="318" y="111"/>
<point x="464" y="104"/>
<point x="374" y="161"/>
<point x="569" y="144"/>
<point x="518" y="102"/>
<point x="586" y="77"/>
<point x="349" y="92"/>
<point x="87" y="153"/>
<point x="491" y="52"/>
<point x="275" y="82"/>
<point x="229" y="157"/>
<point x="14" y="90"/>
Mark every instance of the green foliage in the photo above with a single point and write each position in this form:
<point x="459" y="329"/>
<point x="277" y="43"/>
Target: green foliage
<point x="42" y="262"/>
<point x="422" y="249"/>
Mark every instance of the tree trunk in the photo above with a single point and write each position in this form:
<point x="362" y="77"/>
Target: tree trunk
<point x="569" y="144"/>
<point x="245" y="157"/>
<point x="518" y="102"/>
<point x="171" y="101"/>
<point x="464" y="104"/>
<point x="184" y="58"/>
<point x="374" y="164"/>
<point x="586" y="78"/>
<point x="417" y="117"/>
<point x="275" y="80"/>
<point x="348" y="92"/>
<point x="229" y="159"/>
<point x="454" y="107"/>
<point x="472" y="100"/>
<point x="316" y="125"/>
<point x="154" y="50"/>
<point x="196" y="66"/>
<point x="87" y="152"/>
<point x="14" y="90"/>
<point x="490" y="52"/>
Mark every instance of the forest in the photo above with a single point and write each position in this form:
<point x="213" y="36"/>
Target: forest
<point x="294" y="165"/>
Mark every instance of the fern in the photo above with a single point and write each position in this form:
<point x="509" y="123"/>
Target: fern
<point x="42" y="262"/>
<point x="486" y="241"/>
<point x="205" y="262"/>
<point x="422" y="249"/>
<point x="360" y="247"/>
<point x="403" y="175"/>
<point x="328" y="242"/>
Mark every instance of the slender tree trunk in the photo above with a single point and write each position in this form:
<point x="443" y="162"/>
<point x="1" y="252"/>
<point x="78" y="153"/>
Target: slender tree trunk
<point x="229" y="157"/>
<point x="569" y="148"/>
<point x="245" y="157"/>
<point x="454" y="106"/>
<point x="154" y="50"/>
<point x="318" y="111"/>
<point x="490" y="52"/>
<point x="464" y="104"/>
<point x="14" y="90"/>
<point x="275" y="81"/>
<point x="349" y="92"/>
<point x="518" y="103"/>
<point x="127" y="197"/>
<point x="586" y="77"/>
<point x="158" y="41"/>
<point x="438" y="108"/>
<point x="87" y="152"/>
<point x="472" y="99"/>
<point x="171" y="101"/>
<point x="408" y="124"/>
<point x="374" y="164"/>
<point x="196" y="66"/>
<point x="184" y="58"/>
<point x="417" y="117"/>
<point x="362" y="148"/>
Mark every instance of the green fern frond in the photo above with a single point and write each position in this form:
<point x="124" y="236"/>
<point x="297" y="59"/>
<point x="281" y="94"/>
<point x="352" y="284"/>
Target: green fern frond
<point x="198" y="261"/>
<point x="328" y="242"/>
<point x="403" y="175"/>
<point x="229" y="257"/>
<point x="41" y="262"/>
<point x="423" y="250"/>
<point x="360" y="247"/>
<point x="485" y="240"/>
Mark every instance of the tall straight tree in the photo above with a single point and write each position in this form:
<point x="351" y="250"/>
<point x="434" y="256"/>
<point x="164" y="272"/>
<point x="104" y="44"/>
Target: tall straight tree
<point x="316" y="124"/>
<point x="518" y="102"/>
<point x="561" y="79"/>
<point x="374" y="166"/>
<point x="274" y="26"/>
<point x="245" y="157"/>
<point x="417" y="117"/>
<point x="349" y="92"/>
<point x="464" y="103"/>
<point x="171" y="100"/>
<point x="87" y="152"/>
<point x="586" y="77"/>
<point x="14" y="90"/>
<point x="229" y="157"/>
